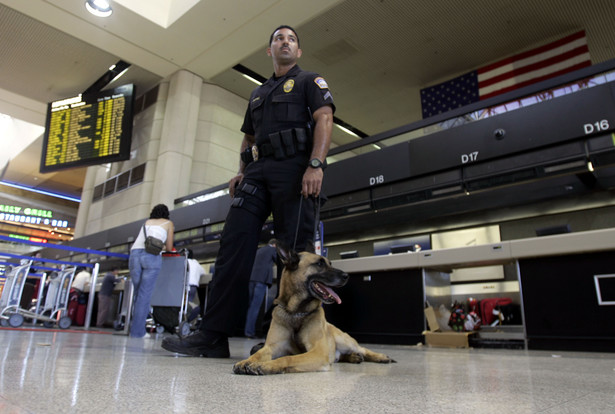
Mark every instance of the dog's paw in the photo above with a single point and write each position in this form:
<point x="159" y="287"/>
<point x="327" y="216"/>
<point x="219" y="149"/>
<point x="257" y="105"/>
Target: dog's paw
<point x="352" y="358"/>
<point x="387" y="360"/>
<point x="378" y="358"/>
<point x="242" y="368"/>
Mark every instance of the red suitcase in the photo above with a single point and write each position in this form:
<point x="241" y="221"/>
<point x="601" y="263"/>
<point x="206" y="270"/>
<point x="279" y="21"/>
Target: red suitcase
<point x="80" y="317"/>
<point x="488" y="305"/>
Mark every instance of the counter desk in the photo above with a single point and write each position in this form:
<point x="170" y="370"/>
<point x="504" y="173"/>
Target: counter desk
<point x="565" y="285"/>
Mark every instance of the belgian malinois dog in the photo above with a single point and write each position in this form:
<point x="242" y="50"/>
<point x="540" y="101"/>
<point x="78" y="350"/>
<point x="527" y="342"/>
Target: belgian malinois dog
<point x="299" y="338"/>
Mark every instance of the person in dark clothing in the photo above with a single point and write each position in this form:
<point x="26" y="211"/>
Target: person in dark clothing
<point x="287" y="134"/>
<point x="260" y="279"/>
<point x="104" y="296"/>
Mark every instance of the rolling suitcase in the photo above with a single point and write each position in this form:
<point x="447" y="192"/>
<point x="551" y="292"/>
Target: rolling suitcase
<point x="487" y="306"/>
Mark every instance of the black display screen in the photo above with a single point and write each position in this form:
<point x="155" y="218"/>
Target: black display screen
<point x="88" y="129"/>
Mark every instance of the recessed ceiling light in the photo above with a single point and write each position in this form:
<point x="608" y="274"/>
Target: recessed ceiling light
<point x="100" y="8"/>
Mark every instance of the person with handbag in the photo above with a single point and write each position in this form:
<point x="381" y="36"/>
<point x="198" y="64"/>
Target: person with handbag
<point x="145" y="262"/>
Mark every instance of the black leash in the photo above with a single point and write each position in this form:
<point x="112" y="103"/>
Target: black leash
<point x="316" y="220"/>
<point x="298" y="222"/>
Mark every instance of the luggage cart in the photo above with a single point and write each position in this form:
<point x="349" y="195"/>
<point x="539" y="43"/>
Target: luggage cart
<point x="11" y="295"/>
<point x="172" y="289"/>
<point x="53" y="311"/>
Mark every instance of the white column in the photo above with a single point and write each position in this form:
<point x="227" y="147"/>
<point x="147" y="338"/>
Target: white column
<point x="173" y="167"/>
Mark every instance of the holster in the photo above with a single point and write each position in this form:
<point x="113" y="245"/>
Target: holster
<point x="246" y="156"/>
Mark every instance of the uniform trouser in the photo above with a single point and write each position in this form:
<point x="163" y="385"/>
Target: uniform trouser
<point x="278" y="191"/>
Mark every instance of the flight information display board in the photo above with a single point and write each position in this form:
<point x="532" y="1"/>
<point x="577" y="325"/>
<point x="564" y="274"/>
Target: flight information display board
<point x="88" y="129"/>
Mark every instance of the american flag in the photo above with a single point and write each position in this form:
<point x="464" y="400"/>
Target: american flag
<point x="557" y="58"/>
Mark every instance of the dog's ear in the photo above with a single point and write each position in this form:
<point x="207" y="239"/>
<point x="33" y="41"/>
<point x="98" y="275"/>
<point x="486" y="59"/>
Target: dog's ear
<point x="290" y="258"/>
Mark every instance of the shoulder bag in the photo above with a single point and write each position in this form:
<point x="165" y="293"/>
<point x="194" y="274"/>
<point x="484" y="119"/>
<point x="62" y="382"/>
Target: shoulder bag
<point x="152" y="244"/>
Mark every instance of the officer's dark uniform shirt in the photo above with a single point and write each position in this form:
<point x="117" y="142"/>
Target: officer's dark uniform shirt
<point x="282" y="103"/>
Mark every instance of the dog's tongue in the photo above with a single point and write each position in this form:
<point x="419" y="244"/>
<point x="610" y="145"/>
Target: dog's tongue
<point x="331" y="293"/>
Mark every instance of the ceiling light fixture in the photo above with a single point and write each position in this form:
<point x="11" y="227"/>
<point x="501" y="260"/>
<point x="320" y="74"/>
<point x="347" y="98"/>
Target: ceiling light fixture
<point x="100" y="8"/>
<point x="251" y="79"/>
<point x="348" y="131"/>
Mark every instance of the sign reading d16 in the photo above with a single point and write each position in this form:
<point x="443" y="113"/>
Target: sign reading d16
<point x="602" y="125"/>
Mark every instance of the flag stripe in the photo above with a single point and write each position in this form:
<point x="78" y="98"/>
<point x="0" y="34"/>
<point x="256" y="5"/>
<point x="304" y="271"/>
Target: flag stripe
<point x="538" y="72"/>
<point x="524" y="67"/>
<point x="534" y="80"/>
<point x="537" y="51"/>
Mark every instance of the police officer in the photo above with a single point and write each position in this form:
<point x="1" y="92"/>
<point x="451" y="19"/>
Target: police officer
<point x="287" y="133"/>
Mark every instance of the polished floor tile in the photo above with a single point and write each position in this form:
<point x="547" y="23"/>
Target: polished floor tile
<point x="68" y="372"/>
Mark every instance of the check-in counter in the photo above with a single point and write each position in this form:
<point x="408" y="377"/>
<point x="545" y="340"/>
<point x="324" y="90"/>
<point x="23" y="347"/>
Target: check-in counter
<point x="118" y="299"/>
<point x="380" y="303"/>
<point x="566" y="289"/>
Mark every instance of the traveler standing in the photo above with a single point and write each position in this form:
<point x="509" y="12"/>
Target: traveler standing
<point x="260" y="280"/>
<point x="145" y="267"/>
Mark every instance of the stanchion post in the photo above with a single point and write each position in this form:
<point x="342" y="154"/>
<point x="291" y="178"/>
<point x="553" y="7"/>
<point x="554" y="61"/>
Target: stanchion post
<point x="91" y="297"/>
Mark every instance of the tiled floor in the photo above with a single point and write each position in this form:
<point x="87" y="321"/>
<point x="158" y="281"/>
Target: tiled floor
<point x="64" y="372"/>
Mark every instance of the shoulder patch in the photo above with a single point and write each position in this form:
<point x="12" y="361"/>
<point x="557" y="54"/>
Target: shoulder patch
<point x="321" y="82"/>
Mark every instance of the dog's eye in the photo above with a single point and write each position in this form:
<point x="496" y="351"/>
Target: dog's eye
<point x="321" y="263"/>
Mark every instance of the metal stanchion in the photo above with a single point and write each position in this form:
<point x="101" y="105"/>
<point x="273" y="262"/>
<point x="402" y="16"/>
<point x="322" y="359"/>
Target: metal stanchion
<point x="91" y="296"/>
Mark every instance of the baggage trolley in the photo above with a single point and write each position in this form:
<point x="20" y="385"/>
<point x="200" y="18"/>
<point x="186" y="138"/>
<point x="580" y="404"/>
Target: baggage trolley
<point x="171" y="289"/>
<point x="11" y="295"/>
<point x="54" y="310"/>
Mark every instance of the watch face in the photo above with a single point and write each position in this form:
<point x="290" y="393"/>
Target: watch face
<point x="315" y="163"/>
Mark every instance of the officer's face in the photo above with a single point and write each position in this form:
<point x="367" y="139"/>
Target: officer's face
<point x="284" y="47"/>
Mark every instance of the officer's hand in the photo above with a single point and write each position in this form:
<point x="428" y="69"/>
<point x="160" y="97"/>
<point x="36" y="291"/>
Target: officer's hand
<point x="312" y="182"/>
<point x="234" y="183"/>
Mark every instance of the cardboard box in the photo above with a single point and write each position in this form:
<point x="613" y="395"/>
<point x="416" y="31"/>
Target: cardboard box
<point x="432" y="319"/>
<point x="448" y="339"/>
<point x="435" y="336"/>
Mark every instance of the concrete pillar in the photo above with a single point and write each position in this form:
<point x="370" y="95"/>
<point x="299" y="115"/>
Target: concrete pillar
<point x="173" y="166"/>
<point x="86" y="202"/>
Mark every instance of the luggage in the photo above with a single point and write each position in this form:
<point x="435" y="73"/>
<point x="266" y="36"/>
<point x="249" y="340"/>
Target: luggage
<point x="80" y="316"/>
<point x="77" y="307"/>
<point x="487" y="306"/>
<point x="73" y="304"/>
<point x="167" y="316"/>
<point x="511" y="314"/>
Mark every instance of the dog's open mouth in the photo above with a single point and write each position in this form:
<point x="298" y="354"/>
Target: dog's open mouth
<point x="324" y="292"/>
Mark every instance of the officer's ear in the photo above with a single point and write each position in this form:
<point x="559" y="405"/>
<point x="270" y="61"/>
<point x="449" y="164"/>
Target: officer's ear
<point x="269" y="51"/>
<point x="299" y="52"/>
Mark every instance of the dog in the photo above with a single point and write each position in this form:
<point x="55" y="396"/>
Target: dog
<point x="299" y="338"/>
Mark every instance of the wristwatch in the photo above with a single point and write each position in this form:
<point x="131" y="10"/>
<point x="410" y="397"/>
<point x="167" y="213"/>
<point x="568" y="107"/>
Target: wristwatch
<point x="315" y="163"/>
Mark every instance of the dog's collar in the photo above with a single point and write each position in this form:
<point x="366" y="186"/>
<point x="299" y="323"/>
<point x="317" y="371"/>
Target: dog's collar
<point x="298" y="315"/>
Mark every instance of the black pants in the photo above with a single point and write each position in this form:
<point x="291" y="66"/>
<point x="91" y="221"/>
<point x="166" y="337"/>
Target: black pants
<point x="278" y="191"/>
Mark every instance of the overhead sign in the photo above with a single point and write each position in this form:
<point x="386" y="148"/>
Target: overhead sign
<point x="21" y="215"/>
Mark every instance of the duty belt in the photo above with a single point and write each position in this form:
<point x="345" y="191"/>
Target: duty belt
<point x="281" y="145"/>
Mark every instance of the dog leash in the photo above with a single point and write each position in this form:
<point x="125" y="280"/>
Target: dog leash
<point x="316" y="220"/>
<point x="298" y="222"/>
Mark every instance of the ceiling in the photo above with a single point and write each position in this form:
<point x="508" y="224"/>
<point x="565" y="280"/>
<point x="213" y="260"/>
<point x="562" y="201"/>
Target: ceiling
<point x="375" y="54"/>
